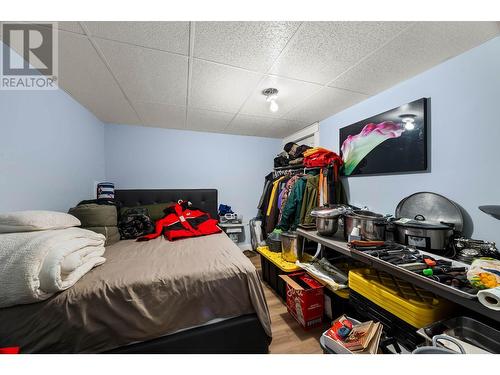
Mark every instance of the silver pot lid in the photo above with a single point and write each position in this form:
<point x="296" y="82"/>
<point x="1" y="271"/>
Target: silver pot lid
<point x="329" y="212"/>
<point x="422" y="224"/>
<point x="431" y="208"/>
<point x="367" y="214"/>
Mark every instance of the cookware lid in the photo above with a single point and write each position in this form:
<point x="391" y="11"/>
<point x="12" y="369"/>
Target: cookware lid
<point x="329" y="212"/>
<point x="431" y="208"/>
<point x="421" y="224"/>
<point x="367" y="214"/>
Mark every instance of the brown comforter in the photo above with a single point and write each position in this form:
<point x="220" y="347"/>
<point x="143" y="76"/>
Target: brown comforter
<point x="144" y="290"/>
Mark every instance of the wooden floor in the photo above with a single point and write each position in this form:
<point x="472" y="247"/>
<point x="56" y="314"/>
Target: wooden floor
<point x="288" y="336"/>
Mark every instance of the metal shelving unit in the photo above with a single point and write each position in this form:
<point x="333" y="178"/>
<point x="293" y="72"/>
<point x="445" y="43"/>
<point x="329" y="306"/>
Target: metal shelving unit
<point x="339" y="245"/>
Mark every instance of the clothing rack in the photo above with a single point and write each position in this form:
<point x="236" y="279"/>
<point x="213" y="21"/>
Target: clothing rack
<point x="293" y="169"/>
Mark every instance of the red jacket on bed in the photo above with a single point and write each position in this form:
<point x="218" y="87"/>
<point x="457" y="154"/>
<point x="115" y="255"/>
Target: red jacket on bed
<point x="182" y="221"/>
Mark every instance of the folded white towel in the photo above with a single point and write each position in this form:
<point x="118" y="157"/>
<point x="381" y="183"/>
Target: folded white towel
<point x="35" y="265"/>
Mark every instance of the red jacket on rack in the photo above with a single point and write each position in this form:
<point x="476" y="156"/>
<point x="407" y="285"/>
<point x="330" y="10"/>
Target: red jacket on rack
<point x="183" y="221"/>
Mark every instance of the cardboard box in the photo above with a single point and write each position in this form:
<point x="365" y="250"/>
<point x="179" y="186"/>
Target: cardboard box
<point x="304" y="299"/>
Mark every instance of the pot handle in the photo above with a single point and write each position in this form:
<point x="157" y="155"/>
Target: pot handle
<point x="451" y="225"/>
<point x="447" y="338"/>
<point x="419" y="217"/>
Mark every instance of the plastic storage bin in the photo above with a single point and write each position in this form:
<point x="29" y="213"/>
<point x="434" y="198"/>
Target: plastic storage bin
<point x="411" y="304"/>
<point x="273" y="265"/>
<point x="402" y="332"/>
<point x="337" y="303"/>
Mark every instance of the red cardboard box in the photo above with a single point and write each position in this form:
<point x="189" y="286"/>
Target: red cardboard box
<point x="304" y="299"/>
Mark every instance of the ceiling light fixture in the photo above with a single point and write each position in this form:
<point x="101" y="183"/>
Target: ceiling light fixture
<point x="408" y="121"/>
<point x="271" y="95"/>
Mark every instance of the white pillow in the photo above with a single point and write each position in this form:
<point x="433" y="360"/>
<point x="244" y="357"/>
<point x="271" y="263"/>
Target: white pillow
<point x="28" y="221"/>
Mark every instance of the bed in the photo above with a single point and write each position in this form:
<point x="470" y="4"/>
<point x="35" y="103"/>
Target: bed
<point x="197" y="295"/>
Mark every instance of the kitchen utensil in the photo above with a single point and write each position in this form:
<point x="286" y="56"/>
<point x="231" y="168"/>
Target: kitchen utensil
<point x="435" y="349"/>
<point x="290" y="249"/>
<point x="327" y="219"/>
<point x="467" y="249"/>
<point x="491" y="210"/>
<point x="427" y="221"/>
<point x="371" y="225"/>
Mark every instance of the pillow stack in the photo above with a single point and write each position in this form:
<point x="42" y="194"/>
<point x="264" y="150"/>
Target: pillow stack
<point x="100" y="218"/>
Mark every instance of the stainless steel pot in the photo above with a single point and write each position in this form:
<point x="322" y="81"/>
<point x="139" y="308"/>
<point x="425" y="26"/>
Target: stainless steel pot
<point x="371" y="225"/>
<point x="327" y="219"/>
<point x="290" y="249"/>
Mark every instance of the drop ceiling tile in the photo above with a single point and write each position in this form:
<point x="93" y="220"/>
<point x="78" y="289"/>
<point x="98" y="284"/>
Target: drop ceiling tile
<point x="161" y="115"/>
<point x="220" y="88"/>
<point x="281" y="127"/>
<point x="323" y="104"/>
<point x="211" y="121"/>
<point x="251" y="125"/>
<point x="423" y="46"/>
<point x="147" y="75"/>
<point x="320" y="51"/>
<point x="73" y="27"/>
<point x="166" y="36"/>
<point x="250" y="45"/>
<point x="291" y="93"/>
<point x="85" y="77"/>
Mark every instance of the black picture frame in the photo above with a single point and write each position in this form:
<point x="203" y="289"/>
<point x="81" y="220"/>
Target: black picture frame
<point x="392" y="142"/>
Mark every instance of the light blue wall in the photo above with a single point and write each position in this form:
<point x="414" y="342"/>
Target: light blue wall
<point x="149" y="158"/>
<point x="51" y="151"/>
<point x="465" y="137"/>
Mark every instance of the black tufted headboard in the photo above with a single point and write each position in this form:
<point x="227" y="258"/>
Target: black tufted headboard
<point x="204" y="199"/>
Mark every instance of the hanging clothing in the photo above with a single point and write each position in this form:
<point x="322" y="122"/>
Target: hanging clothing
<point x="264" y="200"/>
<point x="272" y="210"/>
<point x="336" y="193"/>
<point x="286" y="193"/>
<point x="290" y="216"/>
<point x="266" y="191"/>
<point x="323" y="187"/>
<point x="310" y="200"/>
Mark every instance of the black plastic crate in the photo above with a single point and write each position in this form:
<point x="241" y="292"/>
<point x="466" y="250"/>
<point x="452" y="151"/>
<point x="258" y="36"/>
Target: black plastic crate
<point x="395" y="327"/>
<point x="270" y="274"/>
<point x="338" y="305"/>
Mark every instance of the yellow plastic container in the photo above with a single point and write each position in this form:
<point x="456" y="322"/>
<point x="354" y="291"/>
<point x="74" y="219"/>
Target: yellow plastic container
<point x="277" y="260"/>
<point x="414" y="305"/>
<point x="342" y="293"/>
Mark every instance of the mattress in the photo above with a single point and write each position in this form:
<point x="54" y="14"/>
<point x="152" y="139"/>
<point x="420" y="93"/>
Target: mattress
<point x="144" y="290"/>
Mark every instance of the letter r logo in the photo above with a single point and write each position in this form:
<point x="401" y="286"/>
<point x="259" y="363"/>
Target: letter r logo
<point x="35" y="44"/>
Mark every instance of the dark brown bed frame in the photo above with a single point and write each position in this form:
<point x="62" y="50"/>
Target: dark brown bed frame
<point x="239" y="335"/>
